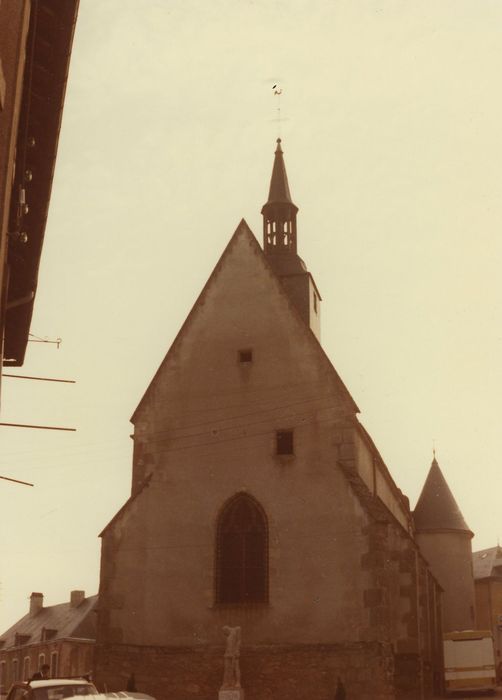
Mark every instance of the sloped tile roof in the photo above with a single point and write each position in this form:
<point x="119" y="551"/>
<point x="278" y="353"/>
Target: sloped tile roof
<point x="436" y="507"/>
<point x="279" y="186"/>
<point x="69" y="621"/>
<point x="487" y="562"/>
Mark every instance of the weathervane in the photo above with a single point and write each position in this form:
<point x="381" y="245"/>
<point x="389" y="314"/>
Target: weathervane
<point x="277" y="93"/>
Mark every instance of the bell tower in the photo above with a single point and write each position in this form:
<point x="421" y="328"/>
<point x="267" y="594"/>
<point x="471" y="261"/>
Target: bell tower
<point x="280" y="245"/>
<point x="279" y="213"/>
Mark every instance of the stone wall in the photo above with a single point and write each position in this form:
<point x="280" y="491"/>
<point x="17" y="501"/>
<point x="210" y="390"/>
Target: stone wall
<point x="295" y="672"/>
<point x="449" y="555"/>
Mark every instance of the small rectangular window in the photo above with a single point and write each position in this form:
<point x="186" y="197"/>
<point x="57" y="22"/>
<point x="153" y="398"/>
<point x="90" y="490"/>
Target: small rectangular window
<point x="26" y="668"/>
<point x="284" y="442"/>
<point x="245" y="355"/>
<point x="315" y="302"/>
<point x="48" y="634"/>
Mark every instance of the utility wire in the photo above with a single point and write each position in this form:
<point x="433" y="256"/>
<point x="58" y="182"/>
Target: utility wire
<point x="39" y="379"/>
<point x="157" y="436"/>
<point x="16" y="481"/>
<point x="36" y="427"/>
<point x="270" y="388"/>
<point x="242" y="436"/>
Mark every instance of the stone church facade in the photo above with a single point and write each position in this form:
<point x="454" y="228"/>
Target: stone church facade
<point x="259" y="500"/>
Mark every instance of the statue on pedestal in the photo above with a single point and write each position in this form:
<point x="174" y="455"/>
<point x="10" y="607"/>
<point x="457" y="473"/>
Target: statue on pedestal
<point x="231" y="669"/>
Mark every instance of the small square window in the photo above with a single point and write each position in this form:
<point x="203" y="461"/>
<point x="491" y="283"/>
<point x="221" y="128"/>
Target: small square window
<point x="284" y="442"/>
<point x="245" y="355"/>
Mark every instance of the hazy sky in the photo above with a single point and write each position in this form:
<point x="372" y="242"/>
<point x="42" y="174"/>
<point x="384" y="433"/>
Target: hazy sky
<point x="392" y="139"/>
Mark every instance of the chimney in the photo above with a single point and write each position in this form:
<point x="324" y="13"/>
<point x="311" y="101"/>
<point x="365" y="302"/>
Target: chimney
<point x="36" y="603"/>
<point x="76" y="597"/>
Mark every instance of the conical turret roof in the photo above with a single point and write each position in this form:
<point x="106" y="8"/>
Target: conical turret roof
<point x="279" y="186"/>
<point x="436" y="508"/>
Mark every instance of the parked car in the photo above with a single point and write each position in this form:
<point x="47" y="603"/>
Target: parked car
<point x="133" y="695"/>
<point x="51" y="689"/>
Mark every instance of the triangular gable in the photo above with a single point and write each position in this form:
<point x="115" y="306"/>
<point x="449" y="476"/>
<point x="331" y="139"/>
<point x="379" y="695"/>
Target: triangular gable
<point x="244" y="230"/>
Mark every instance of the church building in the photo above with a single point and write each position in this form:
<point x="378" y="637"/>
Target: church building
<point x="259" y="501"/>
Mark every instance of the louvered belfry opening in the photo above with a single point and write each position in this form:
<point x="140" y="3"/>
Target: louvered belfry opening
<point x="242" y="553"/>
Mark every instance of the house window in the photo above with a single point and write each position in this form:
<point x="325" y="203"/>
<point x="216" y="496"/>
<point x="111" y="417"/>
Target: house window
<point x="54" y="664"/>
<point x="315" y="302"/>
<point x="15" y="670"/>
<point x="242" y="553"/>
<point x="41" y="661"/>
<point x="245" y="355"/>
<point x="21" y="639"/>
<point x="3" y="679"/>
<point x="48" y="634"/>
<point x="26" y="668"/>
<point x="284" y="442"/>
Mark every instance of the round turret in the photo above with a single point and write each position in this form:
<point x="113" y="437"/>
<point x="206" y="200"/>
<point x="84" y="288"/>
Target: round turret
<point x="445" y="541"/>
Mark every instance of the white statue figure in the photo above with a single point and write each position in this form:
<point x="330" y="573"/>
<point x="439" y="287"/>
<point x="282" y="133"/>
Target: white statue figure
<point x="231" y="669"/>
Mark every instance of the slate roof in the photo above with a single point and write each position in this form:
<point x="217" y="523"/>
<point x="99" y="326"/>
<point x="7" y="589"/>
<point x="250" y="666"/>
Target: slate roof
<point x="436" y="507"/>
<point x="75" y="622"/>
<point x="279" y="186"/>
<point x="487" y="563"/>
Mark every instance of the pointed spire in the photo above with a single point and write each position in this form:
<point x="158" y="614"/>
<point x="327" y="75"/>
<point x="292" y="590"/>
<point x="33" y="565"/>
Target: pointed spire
<point x="279" y="186"/>
<point x="436" y="507"/>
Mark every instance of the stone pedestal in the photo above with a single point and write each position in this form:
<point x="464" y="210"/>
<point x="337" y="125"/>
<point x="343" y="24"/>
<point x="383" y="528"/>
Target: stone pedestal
<point x="231" y="694"/>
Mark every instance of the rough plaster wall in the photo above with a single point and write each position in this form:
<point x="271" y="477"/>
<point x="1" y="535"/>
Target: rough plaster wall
<point x="207" y="429"/>
<point x="449" y="555"/>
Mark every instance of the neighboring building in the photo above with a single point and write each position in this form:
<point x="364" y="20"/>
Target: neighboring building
<point x="487" y="566"/>
<point x="445" y="541"/>
<point x="259" y="500"/>
<point x="35" y="48"/>
<point x="60" y="635"/>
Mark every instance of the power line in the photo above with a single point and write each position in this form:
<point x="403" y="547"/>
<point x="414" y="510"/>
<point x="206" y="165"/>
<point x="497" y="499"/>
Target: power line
<point x="40" y="379"/>
<point x="275" y="388"/>
<point x="161" y="435"/>
<point x="16" y="481"/>
<point x="37" y="427"/>
<point x="242" y="436"/>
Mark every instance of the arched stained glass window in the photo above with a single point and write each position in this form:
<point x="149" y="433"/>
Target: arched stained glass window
<point x="242" y="552"/>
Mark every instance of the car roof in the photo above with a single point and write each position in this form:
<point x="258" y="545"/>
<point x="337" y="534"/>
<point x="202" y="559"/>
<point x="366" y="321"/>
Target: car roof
<point x="45" y="683"/>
